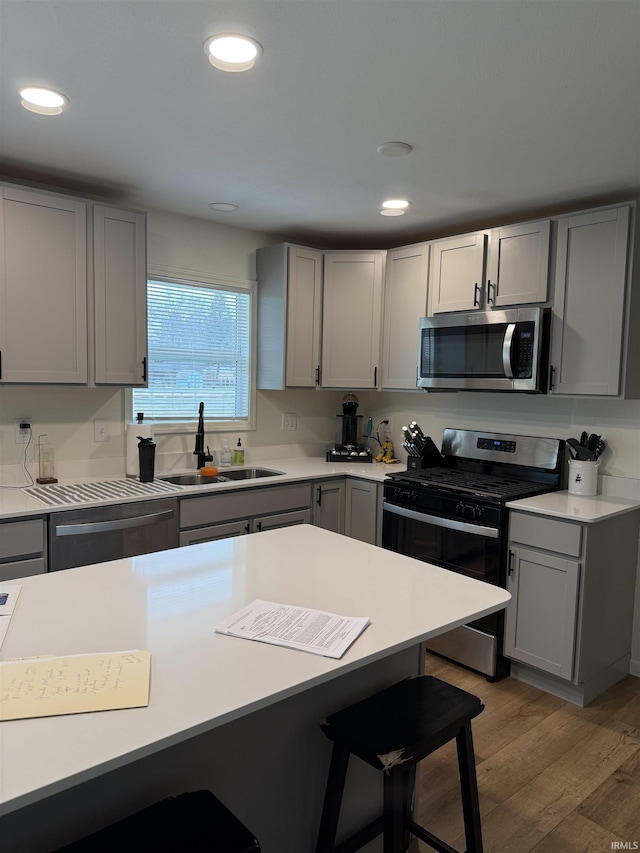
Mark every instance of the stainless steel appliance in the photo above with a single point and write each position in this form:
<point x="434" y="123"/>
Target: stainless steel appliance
<point x="80" y="537"/>
<point x="454" y="515"/>
<point x="485" y="351"/>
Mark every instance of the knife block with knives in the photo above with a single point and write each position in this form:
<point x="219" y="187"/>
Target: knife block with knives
<point x="421" y="451"/>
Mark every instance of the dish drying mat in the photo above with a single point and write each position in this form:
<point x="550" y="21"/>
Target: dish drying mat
<point x="102" y="490"/>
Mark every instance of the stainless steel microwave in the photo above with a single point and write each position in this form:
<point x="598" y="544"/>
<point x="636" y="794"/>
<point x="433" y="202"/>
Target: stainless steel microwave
<point x="485" y="351"/>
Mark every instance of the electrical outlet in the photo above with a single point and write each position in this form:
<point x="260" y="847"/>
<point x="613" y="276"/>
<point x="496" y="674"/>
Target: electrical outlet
<point x="23" y="433"/>
<point x="101" y="430"/>
<point x="289" y="421"/>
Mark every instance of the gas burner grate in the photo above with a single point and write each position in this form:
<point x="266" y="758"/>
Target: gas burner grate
<point x="482" y="485"/>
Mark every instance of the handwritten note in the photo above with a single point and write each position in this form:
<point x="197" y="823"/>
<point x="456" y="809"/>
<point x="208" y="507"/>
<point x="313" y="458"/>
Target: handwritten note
<point x="76" y="684"/>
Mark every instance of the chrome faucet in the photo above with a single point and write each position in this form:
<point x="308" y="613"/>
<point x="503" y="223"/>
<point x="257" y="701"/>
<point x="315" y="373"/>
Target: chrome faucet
<point x="201" y="457"/>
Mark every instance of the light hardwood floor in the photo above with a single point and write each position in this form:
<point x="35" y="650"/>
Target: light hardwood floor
<point x="552" y="777"/>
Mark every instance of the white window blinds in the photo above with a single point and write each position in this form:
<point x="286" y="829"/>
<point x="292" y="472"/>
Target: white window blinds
<point x="199" y="350"/>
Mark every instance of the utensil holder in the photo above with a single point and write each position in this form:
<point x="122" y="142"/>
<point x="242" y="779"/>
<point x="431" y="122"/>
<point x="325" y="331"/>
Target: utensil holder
<point x="583" y="476"/>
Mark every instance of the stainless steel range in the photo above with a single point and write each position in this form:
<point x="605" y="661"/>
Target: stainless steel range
<point x="454" y="514"/>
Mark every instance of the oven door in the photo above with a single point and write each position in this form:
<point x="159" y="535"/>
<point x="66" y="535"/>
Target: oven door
<point x="462" y="546"/>
<point x="471" y="549"/>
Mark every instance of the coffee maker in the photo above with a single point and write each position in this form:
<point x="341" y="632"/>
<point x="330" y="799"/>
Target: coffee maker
<point x="349" y="446"/>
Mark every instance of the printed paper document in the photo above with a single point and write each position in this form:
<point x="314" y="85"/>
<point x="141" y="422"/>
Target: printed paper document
<point x="295" y="627"/>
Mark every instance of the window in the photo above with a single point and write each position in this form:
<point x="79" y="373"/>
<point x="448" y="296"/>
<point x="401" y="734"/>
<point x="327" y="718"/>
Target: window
<point x="199" y="350"/>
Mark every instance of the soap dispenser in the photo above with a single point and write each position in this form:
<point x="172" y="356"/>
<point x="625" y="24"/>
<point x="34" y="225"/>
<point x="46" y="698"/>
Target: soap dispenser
<point x="225" y="454"/>
<point x="238" y="454"/>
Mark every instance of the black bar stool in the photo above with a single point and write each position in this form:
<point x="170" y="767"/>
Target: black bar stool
<point x="392" y="731"/>
<point x="196" y="822"/>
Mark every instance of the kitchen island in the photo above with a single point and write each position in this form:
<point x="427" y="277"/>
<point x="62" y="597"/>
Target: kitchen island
<point x="235" y="716"/>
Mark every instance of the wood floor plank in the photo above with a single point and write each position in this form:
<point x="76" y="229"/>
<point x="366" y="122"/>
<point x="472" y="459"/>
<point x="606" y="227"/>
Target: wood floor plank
<point x="492" y="731"/>
<point x="577" y="834"/>
<point x="615" y="804"/>
<point x="518" y="824"/>
<point x="506" y="772"/>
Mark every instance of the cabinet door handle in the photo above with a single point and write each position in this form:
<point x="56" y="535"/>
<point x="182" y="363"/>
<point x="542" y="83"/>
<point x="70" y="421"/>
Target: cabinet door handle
<point x="375" y="377"/>
<point x="552" y="371"/>
<point x="0" y="364"/>
<point x="510" y="563"/>
<point x="258" y="526"/>
<point x="491" y="300"/>
<point x="318" y="375"/>
<point x="247" y="527"/>
<point x="318" y="495"/>
<point x="144" y="369"/>
<point x="476" y="295"/>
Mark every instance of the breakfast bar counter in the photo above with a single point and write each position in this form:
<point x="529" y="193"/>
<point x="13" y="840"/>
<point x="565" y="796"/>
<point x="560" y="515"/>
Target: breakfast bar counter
<point x="235" y="716"/>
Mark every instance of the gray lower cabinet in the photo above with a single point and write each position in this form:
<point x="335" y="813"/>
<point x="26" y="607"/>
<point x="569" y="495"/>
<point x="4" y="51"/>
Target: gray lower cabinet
<point x="363" y="516"/>
<point x="22" y="548"/>
<point x="572" y="587"/>
<point x="329" y="504"/>
<point x="210" y="517"/>
<point x="349" y="506"/>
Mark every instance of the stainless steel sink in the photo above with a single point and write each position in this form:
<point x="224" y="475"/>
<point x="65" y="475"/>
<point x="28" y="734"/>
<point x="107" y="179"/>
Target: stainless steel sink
<point x="249" y="473"/>
<point x="196" y="479"/>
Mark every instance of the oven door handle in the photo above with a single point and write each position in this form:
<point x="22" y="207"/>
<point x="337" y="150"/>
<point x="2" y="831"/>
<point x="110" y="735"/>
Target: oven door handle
<point x="451" y="523"/>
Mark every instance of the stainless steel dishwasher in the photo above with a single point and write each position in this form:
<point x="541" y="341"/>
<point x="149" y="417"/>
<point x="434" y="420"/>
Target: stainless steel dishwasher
<point x="80" y="537"/>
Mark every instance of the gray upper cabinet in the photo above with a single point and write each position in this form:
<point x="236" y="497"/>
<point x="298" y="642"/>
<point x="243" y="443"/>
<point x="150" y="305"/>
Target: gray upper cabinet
<point x="518" y="265"/>
<point x="56" y="272"/>
<point x="592" y="351"/>
<point x="120" y="296"/>
<point x="456" y="281"/>
<point x="351" y="319"/>
<point x="289" y="316"/>
<point x="319" y="317"/>
<point x="43" y="288"/>
<point x="405" y="302"/>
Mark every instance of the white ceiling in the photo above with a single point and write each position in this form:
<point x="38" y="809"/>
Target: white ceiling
<point x="511" y="106"/>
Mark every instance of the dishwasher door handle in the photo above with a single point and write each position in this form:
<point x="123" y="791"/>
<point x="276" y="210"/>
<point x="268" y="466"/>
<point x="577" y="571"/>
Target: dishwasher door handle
<point x="84" y="527"/>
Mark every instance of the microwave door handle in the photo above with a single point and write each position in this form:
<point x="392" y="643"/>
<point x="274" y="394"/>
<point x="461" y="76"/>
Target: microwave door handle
<point x="507" y="345"/>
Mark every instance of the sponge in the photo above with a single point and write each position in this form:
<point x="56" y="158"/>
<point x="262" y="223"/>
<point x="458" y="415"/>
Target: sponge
<point x="209" y="471"/>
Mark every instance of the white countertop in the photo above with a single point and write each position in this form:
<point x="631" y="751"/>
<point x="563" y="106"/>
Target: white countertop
<point x="170" y="602"/>
<point x="15" y="503"/>
<point x="576" y="507"/>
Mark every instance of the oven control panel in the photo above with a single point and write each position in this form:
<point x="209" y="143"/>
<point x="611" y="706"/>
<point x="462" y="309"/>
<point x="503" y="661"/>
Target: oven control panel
<point x="496" y="444"/>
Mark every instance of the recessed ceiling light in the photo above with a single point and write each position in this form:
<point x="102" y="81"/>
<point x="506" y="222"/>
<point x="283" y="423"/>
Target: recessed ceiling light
<point x="224" y="206"/>
<point x="46" y="102"/>
<point x="394" y="149"/>
<point x="392" y="211"/>
<point x="396" y="204"/>
<point x="232" y="52"/>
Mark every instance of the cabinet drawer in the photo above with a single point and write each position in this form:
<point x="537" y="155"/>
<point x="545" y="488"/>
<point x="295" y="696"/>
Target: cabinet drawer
<point x="21" y="569"/>
<point x="21" y="538"/>
<point x="197" y="512"/>
<point x="546" y="533"/>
